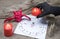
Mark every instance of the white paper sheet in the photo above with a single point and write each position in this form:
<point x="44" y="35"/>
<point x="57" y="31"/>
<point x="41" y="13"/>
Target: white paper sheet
<point x="33" y="28"/>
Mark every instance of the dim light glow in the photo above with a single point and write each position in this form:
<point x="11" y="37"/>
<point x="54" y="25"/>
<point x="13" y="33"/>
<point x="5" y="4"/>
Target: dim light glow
<point x="8" y="26"/>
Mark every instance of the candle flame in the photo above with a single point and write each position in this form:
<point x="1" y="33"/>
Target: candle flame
<point x="35" y="10"/>
<point x="8" y="26"/>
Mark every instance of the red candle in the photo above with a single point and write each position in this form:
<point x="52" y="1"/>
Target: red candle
<point x="8" y="29"/>
<point x="36" y="11"/>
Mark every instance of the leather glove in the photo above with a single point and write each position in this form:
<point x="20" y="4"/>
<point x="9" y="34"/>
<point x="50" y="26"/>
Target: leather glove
<point x="48" y="9"/>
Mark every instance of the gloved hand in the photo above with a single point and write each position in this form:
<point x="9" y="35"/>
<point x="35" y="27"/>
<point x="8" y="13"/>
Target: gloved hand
<point x="48" y="9"/>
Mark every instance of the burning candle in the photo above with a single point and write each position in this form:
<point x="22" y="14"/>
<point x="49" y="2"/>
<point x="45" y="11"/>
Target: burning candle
<point x="36" y="11"/>
<point x="8" y="29"/>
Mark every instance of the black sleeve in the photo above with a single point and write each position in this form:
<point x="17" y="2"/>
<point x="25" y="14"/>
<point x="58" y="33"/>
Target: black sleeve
<point x="55" y="10"/>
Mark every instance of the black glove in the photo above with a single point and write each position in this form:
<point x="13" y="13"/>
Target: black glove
<point x="47" y="9"/>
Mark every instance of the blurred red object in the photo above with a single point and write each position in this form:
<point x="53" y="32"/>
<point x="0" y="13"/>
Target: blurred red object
<point x="17" y="16"/>
<point x="8" y="29"/>
<point x="36" y="11"/>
